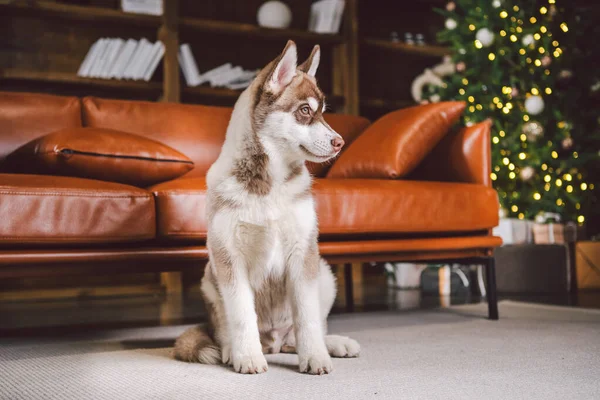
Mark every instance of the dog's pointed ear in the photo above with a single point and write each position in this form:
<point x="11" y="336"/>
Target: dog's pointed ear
<point x="285" y="68"/>
<point x="312" y="63"/>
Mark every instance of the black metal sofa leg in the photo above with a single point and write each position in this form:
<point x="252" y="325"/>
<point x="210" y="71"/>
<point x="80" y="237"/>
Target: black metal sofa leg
<point x="492" y="297"/>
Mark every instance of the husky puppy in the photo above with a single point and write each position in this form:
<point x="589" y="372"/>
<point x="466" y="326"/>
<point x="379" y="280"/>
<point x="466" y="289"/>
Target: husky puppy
<point x="266" y="288"/>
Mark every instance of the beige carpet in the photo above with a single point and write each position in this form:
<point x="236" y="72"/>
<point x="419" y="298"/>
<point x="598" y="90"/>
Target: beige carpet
<point x="533" y="352"/>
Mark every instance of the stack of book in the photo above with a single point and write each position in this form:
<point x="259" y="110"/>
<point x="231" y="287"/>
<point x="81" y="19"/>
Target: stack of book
<point x="225" y="75"/>
<point x="114" y="58"/>
<point x="326" y="16"/>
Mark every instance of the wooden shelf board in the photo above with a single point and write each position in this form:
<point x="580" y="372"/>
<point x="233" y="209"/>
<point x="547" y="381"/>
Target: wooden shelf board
<point x="224" y="93"/>
<point x="235" y="28"/>
<point x="426" y="50"/>
<point x="82" y="13"/>
<point x="73" y="79"/>
<point x="375" y="102"/>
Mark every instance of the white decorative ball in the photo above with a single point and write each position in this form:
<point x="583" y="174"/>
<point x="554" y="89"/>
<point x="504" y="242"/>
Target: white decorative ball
<point x="528" y="40"/>
<point x="533" y="130"/>
<point x="274" y="14"/>
<point x="485" y="36"/>
<point x="502" y="213"/>
<point x="451" y="24"/>
<point x="534" y="105"/>
<point x="527" y="173"/>
<point x="496" y="3"/>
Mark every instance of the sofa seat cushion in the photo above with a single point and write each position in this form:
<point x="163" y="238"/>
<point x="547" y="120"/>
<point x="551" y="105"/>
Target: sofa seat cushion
<point x="369" y="206"/>
<point x="180" y="208"/>
<point x="60" y="210"/>
<point x="349" y="207"/>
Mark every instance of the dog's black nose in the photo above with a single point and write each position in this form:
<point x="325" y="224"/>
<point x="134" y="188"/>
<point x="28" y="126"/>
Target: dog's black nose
<point x="337" y="143"/>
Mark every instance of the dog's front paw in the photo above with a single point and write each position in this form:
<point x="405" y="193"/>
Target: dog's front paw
<point x="342" y="346"/>
<point x="226" y="355"/>
<point x="250" y="364"/>
<point x="316" y="364"/>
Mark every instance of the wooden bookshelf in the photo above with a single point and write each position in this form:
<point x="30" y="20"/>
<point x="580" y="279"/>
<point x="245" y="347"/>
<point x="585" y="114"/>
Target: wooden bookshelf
<point x="78" y="13"/>
<point x="422" y="50"/>
<point x="8" y="75"/>
<point x="249" y="30"/>
<point x="51" y="39"/>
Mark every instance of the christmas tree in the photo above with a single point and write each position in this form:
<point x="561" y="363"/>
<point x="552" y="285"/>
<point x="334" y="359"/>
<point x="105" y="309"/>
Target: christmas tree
<point x="511" y="58"/>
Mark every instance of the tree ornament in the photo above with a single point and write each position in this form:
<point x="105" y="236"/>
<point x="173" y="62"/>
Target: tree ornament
<point x="567" y="143"/>
<point x="565" y="74"/>
<point x="451" y="24"/>
<point x="546" y="61"/>
<point x="496" y="3"/>
<point x="450" y="6"/>
<point x="528" y="40"/>
<point x="460" y="67"/>
<point x="432" y="77"/>
<point x="462" y="51"/>
<point x="485" y="36"/>
<point x="514" y="92"/>
<point x="533" y="130"/>
<point x="534" y="105"/>
<point x="527" y="173"/>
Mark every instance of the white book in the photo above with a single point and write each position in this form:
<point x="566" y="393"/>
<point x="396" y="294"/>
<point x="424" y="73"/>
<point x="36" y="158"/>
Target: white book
<point x="238" y="86"/>
<point x="110" y="43"/>
<point x="120" y="73"/>
<point x="143" y="62"/>
<point x="85" y="65"/>
<point x="158" y="55"/>
<point x="122" y="59"/>
<point x="135" y="58"/>
<point x="190" y="64"/>
<point x="149" y="58"/>
<point x="152" y="7"/>
<point x="115" y="48"/>
<point x="208" y="75"/>
<point x="186" y="73"/>
<point x="338" y="16"/>
<point x="102" y="47"/>
<point x="87" y="59"/>
<point x="226" y="76"/>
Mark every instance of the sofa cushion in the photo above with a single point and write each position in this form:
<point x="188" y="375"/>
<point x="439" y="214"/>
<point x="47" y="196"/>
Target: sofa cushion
<point x="397" y="142"/>
<point x="349" y="207"/>
<point x="103" y="154"/>
<point x="60" y="210"/>
<point x="367" y="206"/>
<point x="26" y="116"/>
<point x="180" y="208"/>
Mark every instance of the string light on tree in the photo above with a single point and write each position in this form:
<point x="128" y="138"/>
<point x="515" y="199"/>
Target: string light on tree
<point x="511" y="68"/>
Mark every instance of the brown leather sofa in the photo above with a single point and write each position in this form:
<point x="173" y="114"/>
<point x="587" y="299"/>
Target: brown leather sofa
<point x="63" y="225"/>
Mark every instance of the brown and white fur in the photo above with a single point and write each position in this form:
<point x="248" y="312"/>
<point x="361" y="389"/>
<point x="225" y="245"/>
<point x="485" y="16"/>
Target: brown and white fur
<point x="266" y="288"/>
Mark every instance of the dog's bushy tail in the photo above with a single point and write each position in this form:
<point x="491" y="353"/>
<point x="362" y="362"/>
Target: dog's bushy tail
<point x="195" y="345"/>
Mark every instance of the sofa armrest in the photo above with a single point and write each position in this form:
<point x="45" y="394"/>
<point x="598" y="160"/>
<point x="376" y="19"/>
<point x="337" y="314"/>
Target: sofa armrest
<point x="462" y="156"/>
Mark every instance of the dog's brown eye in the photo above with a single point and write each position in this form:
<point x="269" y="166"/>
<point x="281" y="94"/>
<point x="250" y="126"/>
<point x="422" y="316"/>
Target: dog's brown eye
<point x="305" y="110"/>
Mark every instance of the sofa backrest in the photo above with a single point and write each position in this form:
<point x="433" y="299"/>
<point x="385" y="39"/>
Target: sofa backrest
<point x="195" y="130"/>
<point x="27" y="116"/>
